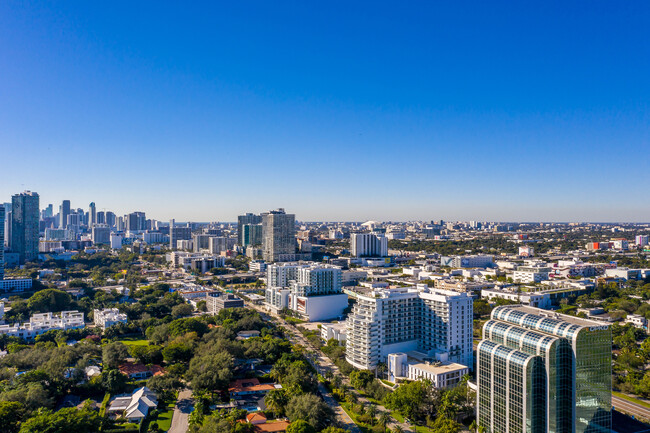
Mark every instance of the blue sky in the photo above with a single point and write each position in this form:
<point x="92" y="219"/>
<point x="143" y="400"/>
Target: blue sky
<point x="335" y="111"/>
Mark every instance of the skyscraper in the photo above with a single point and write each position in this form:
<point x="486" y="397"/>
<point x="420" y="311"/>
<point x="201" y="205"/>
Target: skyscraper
<point x="278" y="234"/>
<point x="24" y="225"/>
<point x="539" y="371"/>
<point x="251" y="235"/>
<point x="2" y="242"/>
<point x="92" y="214"/>
<point x="242" y="220"/>
<point x="65" y="211"/>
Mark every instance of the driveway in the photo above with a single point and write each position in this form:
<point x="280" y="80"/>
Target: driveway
<point x="184" y="406"/>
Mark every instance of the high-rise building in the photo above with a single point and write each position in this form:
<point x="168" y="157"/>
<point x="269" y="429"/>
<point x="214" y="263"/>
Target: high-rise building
<point x="249" y="218"/>
<point x="135" y="221"/>
<point x="8" y="218"/>
<point x="110" y="219"/>
<point x="101" y="217"/>
<point x="217" y="244"/>
<point x="177" y="233"/>
<point x="101" y="234"/>
<point x="278" y="235"/>
<point x="368" y="245"/>
<point x="435" y="322"/>
<point x="2" y="242"/>
<point x="48" y="212"/>
<point x="539" y="371"/>
<point x="92" y="214"/>
<point x="24" y="225"/>
<point x="251" y="235"/>
<point x="641" y="240"/>
<point x="63" y="214"/>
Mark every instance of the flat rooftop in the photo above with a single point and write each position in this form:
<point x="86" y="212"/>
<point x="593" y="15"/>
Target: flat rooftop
<point x="441" y="368"/>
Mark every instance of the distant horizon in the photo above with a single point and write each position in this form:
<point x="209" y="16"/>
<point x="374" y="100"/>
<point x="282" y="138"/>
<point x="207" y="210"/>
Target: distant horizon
<point x="477" y="111"/>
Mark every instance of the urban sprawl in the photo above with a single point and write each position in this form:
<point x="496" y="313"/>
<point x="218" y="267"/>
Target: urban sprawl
<point x="270" y="324"/>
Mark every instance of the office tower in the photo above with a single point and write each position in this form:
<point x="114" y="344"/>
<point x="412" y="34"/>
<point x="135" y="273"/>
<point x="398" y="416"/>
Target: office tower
<point x="101" y="234"/>
<point x="92" y="214"/>
<point x="24" y="225"/>
<point x="251" y="235"/>
<point x="368" y="245"/>
<point x="135" y="221"/>
<point x="110" y="219"/>
<point x="48" y="212"/>
<point x="63" y="214"/>
<point x="119" y="225"/>
<point x="539" y="371"/>
<point x="313" y="290"/>
<point x="435" y="322"/>
<point x="641" y="240"/>
<point x="249" y="218"/>
<point x="178" y="234"/>
<point x="101" y="217"/>
<point x="2" y="242"/>
<point x="278" y="234"/>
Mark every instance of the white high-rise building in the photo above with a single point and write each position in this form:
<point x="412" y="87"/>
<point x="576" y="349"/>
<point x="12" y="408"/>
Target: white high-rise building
<point x="368" y="245"/>
<point x="435" y="322"/>
<point x="312" y="289"/>
<point x="642" y="240"/>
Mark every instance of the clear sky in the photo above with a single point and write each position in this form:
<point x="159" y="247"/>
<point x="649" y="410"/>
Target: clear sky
<point x="332" y="110"/>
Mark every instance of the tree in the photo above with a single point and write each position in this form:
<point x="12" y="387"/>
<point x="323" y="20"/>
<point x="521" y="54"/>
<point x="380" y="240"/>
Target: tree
<point x="384" y="420"/>
<point x="63" y="421"/>
<point x="114" y="381"/>
<point x="11" y="413"/>
<point x="49" y="300"/>
<point x="361" y="378"/>
<point x="146" y="354"/>
<point x="398" y="429"/>
<point x="113" y="354"/>
<point x="210" y="372"/>
<point x="277" y="400"/>
<point x="177" y="352"/>
<point x="182" y="310"/>
<point x="300" y="426"/>
<point x="372" y="411"/>
<point x="310" y="408"/>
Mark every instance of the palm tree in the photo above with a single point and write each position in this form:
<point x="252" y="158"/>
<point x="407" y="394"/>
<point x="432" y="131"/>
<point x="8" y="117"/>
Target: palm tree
<point x="276" y="400"/>
<point x="384" y="420"/>
<point x="372" y="411"/>
<point x="398" y="429"/>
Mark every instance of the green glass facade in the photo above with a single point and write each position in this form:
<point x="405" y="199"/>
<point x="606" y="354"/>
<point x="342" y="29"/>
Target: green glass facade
<point x="574" y="392"/>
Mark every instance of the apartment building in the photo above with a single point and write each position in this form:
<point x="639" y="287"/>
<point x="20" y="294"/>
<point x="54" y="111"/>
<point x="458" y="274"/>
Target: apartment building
<point x="433" y="321"/>
<point x="41" y="323"/>
<point x="313" y="290"/>
<point x="539" y="371"/>
<point x="108" y="317"/>
<point x="368" y="245"/>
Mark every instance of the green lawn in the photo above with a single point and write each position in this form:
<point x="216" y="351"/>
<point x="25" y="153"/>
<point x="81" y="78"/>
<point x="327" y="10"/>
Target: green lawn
<point x="131" y="341"/>
<point x="631" y="399"/>
<point x="164" y="419"/>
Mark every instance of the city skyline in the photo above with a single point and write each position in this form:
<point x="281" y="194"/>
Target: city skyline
<point x="496" y="112"/>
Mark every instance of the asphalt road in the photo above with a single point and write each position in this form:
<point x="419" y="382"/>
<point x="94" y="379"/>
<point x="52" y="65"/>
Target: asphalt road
<point x="184" y="406"/>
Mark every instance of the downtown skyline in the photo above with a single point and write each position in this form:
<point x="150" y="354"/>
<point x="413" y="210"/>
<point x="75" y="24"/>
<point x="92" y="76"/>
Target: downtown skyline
<point x="493" y="112"/>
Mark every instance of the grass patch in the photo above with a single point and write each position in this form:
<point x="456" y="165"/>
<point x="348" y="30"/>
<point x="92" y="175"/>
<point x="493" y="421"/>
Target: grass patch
<point x="631" y="399"/>
<point x="164" y="419"/>
<point x="387" y="382"/>
<point x="134" y="341"/>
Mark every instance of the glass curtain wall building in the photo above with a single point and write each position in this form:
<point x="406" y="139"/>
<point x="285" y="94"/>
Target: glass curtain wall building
<point x="539" y="371"/>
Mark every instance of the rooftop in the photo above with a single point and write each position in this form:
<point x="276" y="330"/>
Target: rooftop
<point x="553" y="315"/>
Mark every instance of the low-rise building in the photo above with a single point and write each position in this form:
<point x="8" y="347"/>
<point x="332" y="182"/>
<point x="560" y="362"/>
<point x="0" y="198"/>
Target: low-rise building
<point x="41" y="323"/>
<point x="336" y="331"/>
<point x="226" y="300"/>
<point x="108" y="317"/>
<point x="134" y="407"/>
